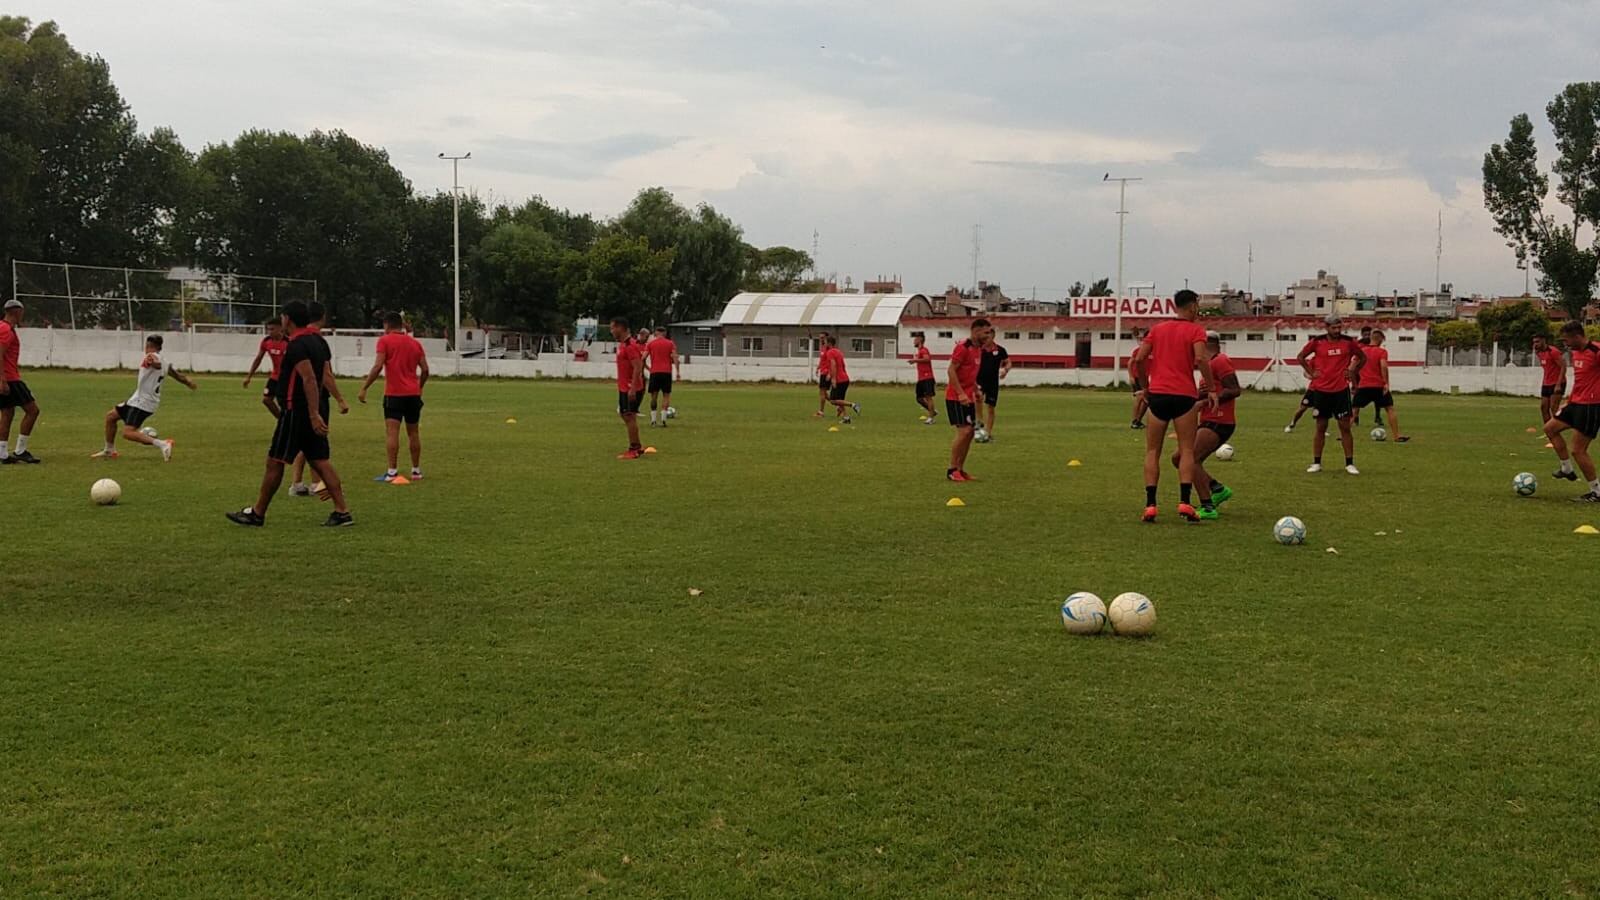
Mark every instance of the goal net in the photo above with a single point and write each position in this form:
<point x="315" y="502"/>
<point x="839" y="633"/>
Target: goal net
<point x="68" y="295"/>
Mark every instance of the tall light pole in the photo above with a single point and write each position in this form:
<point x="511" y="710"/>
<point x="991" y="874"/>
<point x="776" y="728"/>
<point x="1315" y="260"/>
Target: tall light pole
<point x="455" y="196"/>
<point x="1122" y="222"/>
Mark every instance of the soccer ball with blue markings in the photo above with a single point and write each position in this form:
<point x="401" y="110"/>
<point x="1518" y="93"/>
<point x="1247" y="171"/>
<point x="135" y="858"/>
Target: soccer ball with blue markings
<point x="1525" y="484"/>
<point x="1289" y="531"/>
<point x="1083" y="613"/>
<point x="1132" y="615"/>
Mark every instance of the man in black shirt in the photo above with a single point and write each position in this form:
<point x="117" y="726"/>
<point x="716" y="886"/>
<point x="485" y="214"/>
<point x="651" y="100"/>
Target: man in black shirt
<point x="303" y="427"/>
<point x="993" y="366"/>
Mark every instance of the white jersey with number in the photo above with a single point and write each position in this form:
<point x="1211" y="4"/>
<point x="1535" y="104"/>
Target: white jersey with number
<point x="147" y="396"/>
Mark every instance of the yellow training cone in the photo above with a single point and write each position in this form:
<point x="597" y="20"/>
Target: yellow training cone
<point x="1549" y="446"/>
<point x="833" y="429"/>
<point x="1586" y="529"/>
<point x="1074" y="464"/>
<point x="649" y="450"/>
<point x="956" y="501"/>
<point x="511" y="421"/>
<point x="1532" y="430"/>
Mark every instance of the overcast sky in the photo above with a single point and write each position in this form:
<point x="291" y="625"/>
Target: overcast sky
<point x="1329" y="134"/>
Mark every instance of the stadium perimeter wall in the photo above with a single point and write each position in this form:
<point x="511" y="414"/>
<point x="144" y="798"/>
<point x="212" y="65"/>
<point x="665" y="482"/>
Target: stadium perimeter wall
<point x="353" y="355"/>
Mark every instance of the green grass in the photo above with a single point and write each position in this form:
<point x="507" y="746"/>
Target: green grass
<point x="499" y="684"/>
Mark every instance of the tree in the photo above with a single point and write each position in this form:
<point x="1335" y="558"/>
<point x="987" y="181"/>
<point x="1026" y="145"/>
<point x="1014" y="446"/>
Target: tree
<point x="620" y="275"/>
<point x="1456" y="334"/>
<point x="1100" y="288"/>
<point x="1076" y="290"/>
<point x="1514" y="192"/>
<point x="427" y="278"/>
<point x="517" y="274"/>
<point x="707" y="250"/>
<point x="775" y="269"/>
<point x="1515" y="325"/>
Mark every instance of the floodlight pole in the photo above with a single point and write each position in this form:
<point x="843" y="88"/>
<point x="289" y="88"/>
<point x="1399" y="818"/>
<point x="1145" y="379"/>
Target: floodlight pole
<point x="455" y="198"/>
<point x="1122" y="227"/>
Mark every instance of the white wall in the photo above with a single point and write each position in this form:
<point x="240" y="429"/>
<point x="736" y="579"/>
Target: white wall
<point x="60" y="348"/>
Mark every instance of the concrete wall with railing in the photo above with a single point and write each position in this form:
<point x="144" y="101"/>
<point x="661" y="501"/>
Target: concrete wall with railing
<point x="353" y="355"/>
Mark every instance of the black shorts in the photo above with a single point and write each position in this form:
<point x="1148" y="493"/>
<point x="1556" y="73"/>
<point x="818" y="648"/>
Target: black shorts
<point x="271" y="390"/>
<point x="628" y="407"/>
<point x="961" y="415"/>
<point x="403" y="409"/>
<point x="1330" y="404"/>
<point x="1583" y="417"/>
<point x="824" y="383"/>
<point x="1224" y="430"/>
<point x="1167" y="407"/>
<point x="991" y="394"/>
<point x="18" y="396"/>
<point x="1378" y="397"/>
<point x="926" y="387"/>
<point x="1548" y="390"/>
<point x="661" y="383"/>
<point x="1306" y="399"/>
<point x="294" y="436"/>
<point x="132" y="416"/>
<point x="838" y="391"/>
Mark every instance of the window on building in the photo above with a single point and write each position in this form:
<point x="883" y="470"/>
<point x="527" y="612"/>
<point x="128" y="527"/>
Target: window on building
<point x="1227" y="337"/>
<point x="1063" y="335"/>
<point x="947" y="334"/>
<point x="1013" y="335"/>
<point x="917" y="334"/>
<point x="1035" y="335"/>
<point x="1255" y="337"/>
<point x="753" y="344"/>
<point x="702" y="343"/>
<point x="1408" y="340"/>
<point x="1107" y="336"/>
<point x="861" y="345"/>
<point x="1319" y="302"/>
<point x="1287" y="337"/>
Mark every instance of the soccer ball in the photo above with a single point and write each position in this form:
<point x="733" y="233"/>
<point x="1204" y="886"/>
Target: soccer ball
<point x="981" y="435"/>
<point x="1378" y="434"/>
<point x="1289" y="531"/>
<point x="1083" y="613"/>
<point x="105" y="492"/>
<point x="1224" y="453"/>
<point x="1525" y="484"/>
<point x="672" y="412"/>
<point x="1132" y="614"/>
<point x="148" y="431"/>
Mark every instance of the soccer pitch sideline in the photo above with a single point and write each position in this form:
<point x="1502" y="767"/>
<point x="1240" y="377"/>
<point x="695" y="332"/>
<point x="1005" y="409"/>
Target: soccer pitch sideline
<point x="499" y="682"/>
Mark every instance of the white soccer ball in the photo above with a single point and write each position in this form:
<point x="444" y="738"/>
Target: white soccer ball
<point x="1083" y="613"/>
<point x="1289" y="531"/>
<point x="1378" y="434"/>
<point x="148" y="431"/>
<point x="981" y="436"/>
<point x="1224" y="453"/>
<point x="672" y="412"/>
<point x="1525" y="484"/>
<point x="105" y="492"/>
<point x="1132" y="614"/>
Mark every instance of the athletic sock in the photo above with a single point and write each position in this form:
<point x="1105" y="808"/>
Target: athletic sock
<point x="1317" y="460"/>
<point x="1594" y="486"/>
<point x="1185" y="492"/>
<point x="158" y="445"/>
<point x="110" y="447"/>
<point x="1149" y="495"/>
<point x="22" y="444"/>
<point x="1349" y="460"/>
<point x="3" y="451"/>
<point x="1566" y="464"/>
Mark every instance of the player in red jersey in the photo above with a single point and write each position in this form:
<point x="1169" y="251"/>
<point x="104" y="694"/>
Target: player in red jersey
<point x="1163" y="367"/>
<point x="272" y="347"/>
<point x="839" y="380"/>
<point x="663" y="357"/>
<point x="1554" y="384"/>
<point x="961" y="396"/>
<point x="820" y="344"/>
<point x="1139" y="407"/>
<point x="1330" y="362"/>
<point x="1217" y="424"/>
<point x="926" y="385"/>
<point x="404" y="366"/>
<point x="1372" y="385"/>
<point x="1581" y="414"/>
<point x="630" y="385"/>
<point x="14" y="393"/>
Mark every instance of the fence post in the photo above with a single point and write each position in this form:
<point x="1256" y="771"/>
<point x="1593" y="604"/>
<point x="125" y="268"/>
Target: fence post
<point x="1494" y="368"/>
<point x="274" y="297"/>
<point x="72" y="313"/>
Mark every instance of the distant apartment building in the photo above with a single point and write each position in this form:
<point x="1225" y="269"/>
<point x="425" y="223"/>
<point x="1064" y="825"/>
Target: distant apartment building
<point x="1438" y="304"/>
<point x="1317" y="296"/>
<point x="882" y="285"/>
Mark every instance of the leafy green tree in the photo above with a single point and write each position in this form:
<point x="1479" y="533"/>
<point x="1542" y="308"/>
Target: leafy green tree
<point x="426" y="288"/>
<point x="1456" y="334"/>
<point x="1076" y="290"/>
<point x="574" y="231"/>
<point x="1515" y="325"/>
<point x="620" y="275"/>
<point x="707" y="250"/>
<point x="775" y="269"/>
<point x="517" y="271"/>
<point x="1515" y="189"/>
<point x="1101" y="288"/>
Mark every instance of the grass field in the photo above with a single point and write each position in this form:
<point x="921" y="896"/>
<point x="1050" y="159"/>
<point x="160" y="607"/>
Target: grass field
<point x="499" y="683"/>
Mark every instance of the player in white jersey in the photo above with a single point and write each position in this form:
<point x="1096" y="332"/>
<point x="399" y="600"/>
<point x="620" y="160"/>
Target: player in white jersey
<point x="143" y="404"/>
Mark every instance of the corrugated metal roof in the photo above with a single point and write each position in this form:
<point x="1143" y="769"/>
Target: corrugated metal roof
<point x="820" y="310"/>
<point x="1258" y="323"/>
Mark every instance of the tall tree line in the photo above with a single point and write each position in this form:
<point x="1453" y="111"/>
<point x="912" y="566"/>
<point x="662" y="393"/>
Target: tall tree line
<point x="80" y="183"/>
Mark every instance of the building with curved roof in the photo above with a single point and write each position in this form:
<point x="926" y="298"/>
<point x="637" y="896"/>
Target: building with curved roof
<point x="785" y="325"/>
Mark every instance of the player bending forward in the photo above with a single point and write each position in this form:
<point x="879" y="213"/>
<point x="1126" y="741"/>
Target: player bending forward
<point x="1164" y="367"/>
<point x="1216" y="428"/>
<point x="143" y="404"/>
<point x="1330" y="362"/>
<point x="1581" y="414"/>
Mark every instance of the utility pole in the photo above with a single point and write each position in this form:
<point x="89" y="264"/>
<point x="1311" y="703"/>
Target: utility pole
<point x="1438" y="254"/>
<point x="455" y="196"/>
<point x="816" y="238"/>
<point x="977" y="254"/>
<point x="1250" y="273"/>
<point x="1122" y="222"/>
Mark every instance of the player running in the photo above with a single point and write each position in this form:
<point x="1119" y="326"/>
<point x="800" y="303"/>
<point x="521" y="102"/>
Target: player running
<point x="1581" y="414"/>
<point x="1554" y="386"/>
<point x="14" y="393"/>
<point x="272" y="347"/>
<point x="961" y="397"/>
<point x="926" y="385"/>
<point x="663" y="358"/>
<point x="1330" y="362"/>
<point x="839" y="379"/>
<point x="404" y="366"/>
<point x="1217" y="424"/>
<point x="994" y="366"/>
<point x="823" y="385"/>
<point x="1164" y="366"/>
<point x="143" y="404"/>
<point x="630" y="385"/>
<point x="1372" y="386"/>
<point x="303" y="427"/>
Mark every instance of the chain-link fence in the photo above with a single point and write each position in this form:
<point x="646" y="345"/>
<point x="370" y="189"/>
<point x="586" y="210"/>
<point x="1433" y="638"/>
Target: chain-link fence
<point x="68" y="295"/>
